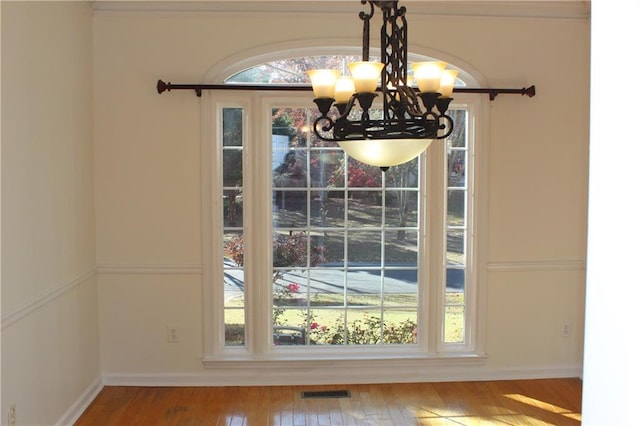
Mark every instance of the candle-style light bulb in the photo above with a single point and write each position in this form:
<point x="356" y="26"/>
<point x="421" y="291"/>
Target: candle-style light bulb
<point x="428" y="74"/>
<point x="365" y="75"/>
<point x="447" y="81"/>
<point x="323" y="82"/>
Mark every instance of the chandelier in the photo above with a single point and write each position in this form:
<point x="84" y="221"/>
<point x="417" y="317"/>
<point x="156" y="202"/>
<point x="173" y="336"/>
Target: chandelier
<point x="409" y="119"/>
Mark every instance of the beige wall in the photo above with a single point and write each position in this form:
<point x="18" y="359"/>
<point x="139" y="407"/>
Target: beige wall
<point x="147" y="186"/>
<point x="50" y="354"/>
<point x="148" y="177"/>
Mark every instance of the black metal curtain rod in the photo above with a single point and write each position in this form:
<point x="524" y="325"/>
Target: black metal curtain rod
<point x="167" y="87"/>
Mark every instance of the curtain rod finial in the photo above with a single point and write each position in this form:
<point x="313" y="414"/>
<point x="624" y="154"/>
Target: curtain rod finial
<point x="529" y="91"/>
<point x="162" y="86"/>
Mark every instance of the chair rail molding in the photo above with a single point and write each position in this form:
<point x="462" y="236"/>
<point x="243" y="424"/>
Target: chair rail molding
<point x="45" y="297"/>
<point x="150" y="269"/>
<point x="536" y="265"/>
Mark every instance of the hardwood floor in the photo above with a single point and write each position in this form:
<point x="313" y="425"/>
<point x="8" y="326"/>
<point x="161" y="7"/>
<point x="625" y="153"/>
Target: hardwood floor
<point x="516" y="402"/>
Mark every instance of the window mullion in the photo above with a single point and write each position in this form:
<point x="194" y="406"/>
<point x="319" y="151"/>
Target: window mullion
<point x="258" y="228"/>
<point x="436" y="244"/>
<point x="211" y="152"/>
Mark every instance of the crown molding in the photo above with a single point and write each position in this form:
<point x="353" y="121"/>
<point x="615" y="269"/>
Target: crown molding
<point x="566" y="9"/>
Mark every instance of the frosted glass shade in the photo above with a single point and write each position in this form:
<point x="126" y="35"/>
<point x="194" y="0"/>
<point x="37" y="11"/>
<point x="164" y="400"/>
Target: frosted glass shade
<point x="447" y="81"/>
<point x="428" y="74"/>
<point x="344" y="89"/>
<point x="366" y="75"/>
<point x="385" y="152"/>
<point x="323" y="82"/>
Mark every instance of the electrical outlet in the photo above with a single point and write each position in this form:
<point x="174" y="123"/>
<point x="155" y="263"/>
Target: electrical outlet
<point x="11" y="415"/>
<point x="172" y="334"/>
<point x="566" y="329"/>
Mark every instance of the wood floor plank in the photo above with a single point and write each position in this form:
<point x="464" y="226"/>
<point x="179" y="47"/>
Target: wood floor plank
<point x="517" y="402"/>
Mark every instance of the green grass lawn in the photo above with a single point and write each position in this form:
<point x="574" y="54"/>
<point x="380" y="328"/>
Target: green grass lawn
<point x="326" y="309"/>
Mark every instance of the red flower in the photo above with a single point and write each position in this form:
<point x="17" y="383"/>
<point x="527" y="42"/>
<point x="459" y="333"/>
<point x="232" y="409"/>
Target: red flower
<point x="293" y="287"/>
<point x="314" y="325"/>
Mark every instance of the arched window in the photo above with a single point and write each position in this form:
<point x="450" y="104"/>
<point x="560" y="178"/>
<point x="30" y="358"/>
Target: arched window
<point x="314" y="255"/>
<point x="293" y="70"/>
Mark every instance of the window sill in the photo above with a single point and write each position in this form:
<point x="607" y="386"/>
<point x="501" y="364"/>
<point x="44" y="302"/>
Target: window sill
<point x="281" y="369"/>
<point x="270" y="361"/>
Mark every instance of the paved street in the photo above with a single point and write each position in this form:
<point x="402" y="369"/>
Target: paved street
<point x="360" y="281"/>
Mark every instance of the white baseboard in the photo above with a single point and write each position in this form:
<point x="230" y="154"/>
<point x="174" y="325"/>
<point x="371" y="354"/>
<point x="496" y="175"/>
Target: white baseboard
<point x="81" y="404"/>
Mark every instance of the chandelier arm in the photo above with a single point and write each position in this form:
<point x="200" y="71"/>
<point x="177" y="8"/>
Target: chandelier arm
<point x="448" y="126"/>
<point x="325" y="128"/>
<point x="434" y="119"/>
<point x="345" y="109"/>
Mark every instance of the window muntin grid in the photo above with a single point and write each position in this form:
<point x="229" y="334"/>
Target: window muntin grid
<point x="355" y="280"/>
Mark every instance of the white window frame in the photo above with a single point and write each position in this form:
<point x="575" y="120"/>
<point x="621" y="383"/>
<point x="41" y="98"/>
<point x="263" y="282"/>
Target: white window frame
<point x="258" y="352"/>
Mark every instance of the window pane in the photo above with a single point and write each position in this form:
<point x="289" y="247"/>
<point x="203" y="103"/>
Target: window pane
<point x="403" y="175"/>
<point x="232" y="205"/>
<point x="326" y="168"/>
<point x="364" y="327"/>
<point x="326" y="288"/>
<point x="290" y="209"/>
<point x="290" y="290"/>
<point x="234" y="327"/>
<point x="291" y="70"/>
<point x="232" y="127"/>
<point x="456" y="211"/>
<point x="232" y="214"/>
<point x="401" y="288"/>
<point x="456" y="233"/>
<point x="454" y="324"/>
<point x="289" y="326"/>
<point x="232" y="167"/>
<point x="333" y="243"/>
<point x="234" y="299"/>
<point x="458" y="138"/>
<point x="326" y="327"/>
<point x="401" y="208"/>
<point x="457" y="168"/>
<point x="290" y="250"/>
<point x="292" y="171"/>
<point x="327" y="209"/>
<point x="400" y="326"/>
<point x="455" y="247"/>
<point x="360" y="175"/>
<point x="364" y="248"/>
<point x="401" y="248"/>
<point x="364" y="288"/>
<point x="365" y="209"/>
<point x="455" y="279"/>
<point x="285" y="124"/>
